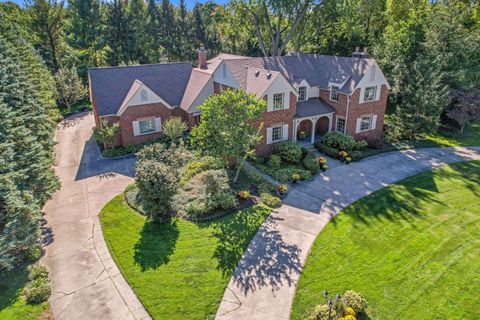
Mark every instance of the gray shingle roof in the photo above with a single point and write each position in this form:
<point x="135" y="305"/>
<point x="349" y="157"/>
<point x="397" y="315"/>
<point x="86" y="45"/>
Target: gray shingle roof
<point x="313" y="107"/>
<point x="198" y="80"/>
<point x="317" y="70"/>
<point x="110" y="85"/>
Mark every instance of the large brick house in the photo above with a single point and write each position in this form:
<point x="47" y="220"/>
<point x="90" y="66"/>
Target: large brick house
<point x="304" y="92"/>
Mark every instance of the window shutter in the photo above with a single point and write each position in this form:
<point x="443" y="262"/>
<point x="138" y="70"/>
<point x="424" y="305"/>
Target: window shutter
<point x="285" y="132"/>
<point x="158" y="124"/>
<point x="136" y="128"/>
<point x="359" y="122"/>
<point x="269" y="105"/>
<point x="374" y="121"/>
<point x="286" y="101"/>
<point x="269" y="135"/>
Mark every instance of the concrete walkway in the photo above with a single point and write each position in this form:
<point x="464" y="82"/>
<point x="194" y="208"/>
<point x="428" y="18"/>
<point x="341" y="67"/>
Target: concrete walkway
<point x="263" y="285"/>
<point x="86" y="282"/>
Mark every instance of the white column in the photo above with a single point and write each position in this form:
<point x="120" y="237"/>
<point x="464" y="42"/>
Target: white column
<point x="314" y="123"/>
<point x="294" y="130"/>
<point x="330" y="122"/>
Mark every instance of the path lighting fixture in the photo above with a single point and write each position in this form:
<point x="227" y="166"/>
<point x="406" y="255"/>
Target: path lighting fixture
<point x="330" y="305"/>
<point x="325" y="294"/>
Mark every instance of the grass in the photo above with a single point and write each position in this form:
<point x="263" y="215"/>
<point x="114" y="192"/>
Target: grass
<point x="79" y="106"/>
<point x="178" y="270"/>
<point x="12" y="301"/>
<point x="412" y="249"/>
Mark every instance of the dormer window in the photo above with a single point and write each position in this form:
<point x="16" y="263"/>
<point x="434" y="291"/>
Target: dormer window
<point x="370" y="94"/>
<point x="143" y="95"/>
<point x="302" y="93"/>
<point x="278" y="101"/>
<point x="334" y="93"/>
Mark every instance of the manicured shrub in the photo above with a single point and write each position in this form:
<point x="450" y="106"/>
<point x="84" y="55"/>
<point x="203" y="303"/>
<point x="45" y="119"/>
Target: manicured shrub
<point x="274" y="161"/>
<point x="339" y="140"/>
<point x="349" y="317"/>
<point x="285" y="174"/>
<point x="355" y="155"/>
<point x="175" y="156"/>
<point x="310" y="163"/>
<point x="362" y="144"/>
<point x="271" y="201"/>
<point x="263" y="184"/>
<point x="350" y="311"/>
<point x="323" y="312"/>
<point x="222" y="200"/>
<point x="36" y="271"/>
<point x="157" y="183"/>
<point x="37" y="291"/>
<point x="329" y="151"/>
<point x="266" y="187"/>
<point x="198" y="165"/>
<point x="355" y="301"/>
<point x="290" y="151"/>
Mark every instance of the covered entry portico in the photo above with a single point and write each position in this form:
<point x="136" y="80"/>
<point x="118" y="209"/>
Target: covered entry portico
<point x="313" y="116"/>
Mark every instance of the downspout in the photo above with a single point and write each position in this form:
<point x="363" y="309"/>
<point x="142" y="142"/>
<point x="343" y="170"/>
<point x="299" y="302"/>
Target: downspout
<point x="346" y="114"/>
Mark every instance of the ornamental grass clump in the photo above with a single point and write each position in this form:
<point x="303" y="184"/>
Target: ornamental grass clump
<point x="295" y="177"/>
<point x="282" y="189"/>
<point x="38" y="288"/>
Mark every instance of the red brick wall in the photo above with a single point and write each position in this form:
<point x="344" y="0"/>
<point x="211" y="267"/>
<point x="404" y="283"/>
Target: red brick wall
<point x="134" y="113"/>
<point x="356" y="110"/>
<point x="277" y="117"/>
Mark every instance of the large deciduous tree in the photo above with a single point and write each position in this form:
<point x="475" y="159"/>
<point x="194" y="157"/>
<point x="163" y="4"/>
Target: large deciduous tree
<point x="275" y="21"/>
<point x="70" y="88"/>
<point x="466" y="107"/>
<point x="227" y="129"/>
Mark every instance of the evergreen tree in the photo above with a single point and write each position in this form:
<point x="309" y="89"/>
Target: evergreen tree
<point x="26" y="175"/>
<point x="116" y="31"/>
<point x="138" y="38"/>
<point x="169" y="37"/>
<point x="186" y="47"/>
<point x="154" y="30"/>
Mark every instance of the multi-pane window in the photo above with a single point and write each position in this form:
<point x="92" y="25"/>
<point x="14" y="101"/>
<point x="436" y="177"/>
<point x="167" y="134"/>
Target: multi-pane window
<point x="277" y="101"/>
<point x="302" y="93"/>
<point x="276" y="134"/>
<point x="334" y="93"/>
<point x="366" y="123"/>
<point x="370" y="94"/>
<point x="147" y="126"/>
<point x="340" y="125"/>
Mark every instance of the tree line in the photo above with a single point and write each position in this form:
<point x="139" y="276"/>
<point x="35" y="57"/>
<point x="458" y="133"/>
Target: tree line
<point x="429" y="51"/>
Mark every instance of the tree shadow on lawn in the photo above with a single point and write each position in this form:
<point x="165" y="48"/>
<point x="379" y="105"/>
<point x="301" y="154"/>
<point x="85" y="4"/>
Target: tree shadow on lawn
<point x="405" y="201"/>
<point x="11" y="285"/>
<point x="156" y="244"/>
<point x="267" y="259"/>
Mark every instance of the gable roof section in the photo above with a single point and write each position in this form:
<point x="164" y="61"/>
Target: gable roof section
<point x="198" y="80"/>
<point x="317" y="70"/>
<point x="111" y="85"/>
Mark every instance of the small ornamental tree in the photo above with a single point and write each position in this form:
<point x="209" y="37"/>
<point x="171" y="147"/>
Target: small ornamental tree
<point x="226" y="130"/>
<point x="106" y="133"/>
<point x="70" y="88"/>
<point x="174" y="128"/>
<point x="466" y="109"/>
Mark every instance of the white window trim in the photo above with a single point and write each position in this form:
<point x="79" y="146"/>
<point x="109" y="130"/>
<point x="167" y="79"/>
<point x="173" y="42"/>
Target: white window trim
<point x="373" y="123"/>
<point x="283" y="133"/>
<point x="136" y="126"/>
<point x="344" y="126"/>
<point x="374" y="97"/>
<point x="283" y="101"/>
<point x="306" y="93"/>
<point x="331" y="92"/>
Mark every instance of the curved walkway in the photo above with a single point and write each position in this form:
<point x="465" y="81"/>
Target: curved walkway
<point x="263" y="285"/>
<point x="86" y="282"/>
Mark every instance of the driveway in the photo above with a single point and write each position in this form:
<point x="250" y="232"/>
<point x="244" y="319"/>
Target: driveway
<point x="263" y="284"/>
<point x="86" y="282"/>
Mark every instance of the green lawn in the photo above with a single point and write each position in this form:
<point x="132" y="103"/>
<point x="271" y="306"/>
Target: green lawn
<point x="12" y="301"/>
<point x="178" y="270"/>
<point x="412" y="249"/>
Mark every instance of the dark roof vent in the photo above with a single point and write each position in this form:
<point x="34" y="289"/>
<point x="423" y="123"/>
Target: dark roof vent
<point x="269" y="75"/>
<point x="257" y="73"/>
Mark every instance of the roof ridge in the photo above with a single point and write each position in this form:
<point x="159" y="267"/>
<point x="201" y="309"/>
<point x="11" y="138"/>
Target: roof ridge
<point x="138" y="65"/>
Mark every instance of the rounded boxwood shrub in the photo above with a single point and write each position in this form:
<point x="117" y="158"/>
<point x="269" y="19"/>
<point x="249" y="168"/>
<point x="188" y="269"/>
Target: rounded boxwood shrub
<point x="290" y="151"/>
<point x="339" y="140"/>
<point x="271" y="201"/>
<point x="322" y="312"/>
<point x="36" y="271"/>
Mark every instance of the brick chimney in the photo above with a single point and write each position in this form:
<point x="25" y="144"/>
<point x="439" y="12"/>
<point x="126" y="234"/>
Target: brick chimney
<point x="361" y="54"/>
<point x="202" y="58"/>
